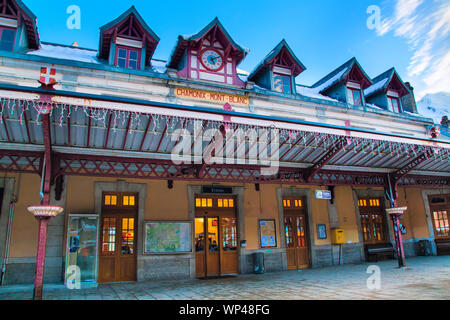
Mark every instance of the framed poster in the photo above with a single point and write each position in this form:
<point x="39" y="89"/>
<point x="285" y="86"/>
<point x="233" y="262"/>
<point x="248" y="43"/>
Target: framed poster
<point x="267" y="233"/>
<point x="164" y="237"/>
<point x="321" y="231"/>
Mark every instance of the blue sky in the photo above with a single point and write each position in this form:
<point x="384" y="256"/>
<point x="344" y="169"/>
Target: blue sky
<point x="413" y="35"/>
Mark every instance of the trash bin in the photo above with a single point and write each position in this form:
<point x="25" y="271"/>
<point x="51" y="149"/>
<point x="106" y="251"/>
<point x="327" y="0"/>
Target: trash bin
<point x="258" y="263"/>
<point x="424" y="247"/>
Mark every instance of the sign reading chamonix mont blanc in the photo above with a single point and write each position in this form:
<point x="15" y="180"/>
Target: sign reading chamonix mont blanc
<point x="211" y="96"/>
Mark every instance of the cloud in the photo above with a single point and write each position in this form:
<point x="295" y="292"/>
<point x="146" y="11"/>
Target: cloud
<point x="425" y="25"/>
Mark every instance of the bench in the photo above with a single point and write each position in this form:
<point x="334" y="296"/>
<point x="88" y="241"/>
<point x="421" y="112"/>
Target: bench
<point x="443" y="247"/>
<point x="379" y="249"/>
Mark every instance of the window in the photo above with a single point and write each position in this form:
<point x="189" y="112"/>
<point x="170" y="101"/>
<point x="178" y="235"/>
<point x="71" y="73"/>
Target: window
<point x="203" y="202"/>
<point x="394" y="104"/>
<point x="127" y="58"/>
<point x="373" y="223"/>
<point x="292" y="203"/>
<point x="440" y="208"/>
<point x="7" y="39"/>
<point x="282" y="83"/>
<point x="355" y="97"/>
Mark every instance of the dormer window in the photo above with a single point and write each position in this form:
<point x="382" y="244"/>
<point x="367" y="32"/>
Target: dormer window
<point x="128" y="58"/>
<point x="7" y="36"/>
<point x="394" y="104"/>
<point x="354" y="94"/>
<point x="282" y="83"/>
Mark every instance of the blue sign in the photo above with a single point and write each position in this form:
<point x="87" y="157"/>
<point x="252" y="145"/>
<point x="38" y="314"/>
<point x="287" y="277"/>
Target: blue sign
<point x="323" y="194"/>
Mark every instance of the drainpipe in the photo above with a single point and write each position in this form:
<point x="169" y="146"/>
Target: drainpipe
<point x="14" y="200"/>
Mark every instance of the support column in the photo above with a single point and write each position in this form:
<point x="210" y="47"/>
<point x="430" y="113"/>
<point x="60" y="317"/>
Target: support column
<point x="40" y="258"/>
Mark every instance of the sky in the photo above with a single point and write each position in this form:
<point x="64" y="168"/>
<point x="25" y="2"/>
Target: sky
<point x="411" y="35"/>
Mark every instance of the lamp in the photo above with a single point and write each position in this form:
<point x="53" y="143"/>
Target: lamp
<point x="45" y="211"/>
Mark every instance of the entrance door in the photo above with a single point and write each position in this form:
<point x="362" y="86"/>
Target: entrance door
<point x="117" y="257"/>
<point x="297" y="250"/>
<point x="440" y="214"/>
<point x="215" y="237"/>
<point x="373" y="223"/>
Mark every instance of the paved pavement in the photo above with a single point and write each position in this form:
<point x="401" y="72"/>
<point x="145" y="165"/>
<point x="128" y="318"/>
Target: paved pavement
<point x="425" y="278"/>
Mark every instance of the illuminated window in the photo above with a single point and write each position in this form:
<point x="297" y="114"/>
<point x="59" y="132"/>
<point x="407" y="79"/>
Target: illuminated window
<point x="286" y="203"/>
<point x="110" y="200"/>
<point x="298" y="203"/>
<point x="204" y="203"/>
<point x="128" y="200"/>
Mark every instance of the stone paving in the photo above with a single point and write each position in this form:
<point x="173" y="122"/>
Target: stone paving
<point x="425" y="278"/>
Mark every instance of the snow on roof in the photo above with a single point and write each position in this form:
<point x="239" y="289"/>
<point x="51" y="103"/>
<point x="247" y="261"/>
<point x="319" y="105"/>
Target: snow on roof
<point x="50" y="50"/>
<point x="66" y="52"/>
<point x="331" y="81"/>
<point x="375" y="87"/>
<point x="312" y="93"/>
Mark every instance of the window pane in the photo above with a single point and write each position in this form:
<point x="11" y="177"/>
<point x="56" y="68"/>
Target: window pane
<point x="121" y="62"/>
<point x="7" y="39"/>
<point x="229" y="234"/>
<point x="133" y="55"/>
<point x="357" y="98"/>
<point x="122" y="53"/>
<point x="127" y="246"/>
<point x="132" y="64"/>
<point x="213" y="234"/>
<point x="277" y="83"/>
<point x="199" y="235"/>
<point x="286" y="84"/>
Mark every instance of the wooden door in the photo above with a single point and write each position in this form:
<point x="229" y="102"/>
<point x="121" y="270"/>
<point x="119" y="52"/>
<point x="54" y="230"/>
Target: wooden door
<point x="297" y="250"/>
<point x="207" y="250"/>
<point x="215" y="237"/>
<point x="296" y="231"/>
<point x="373" y="222"/>
<point x="118" y="245"/>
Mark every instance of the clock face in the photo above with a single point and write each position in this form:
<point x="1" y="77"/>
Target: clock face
<point x="211" y="59"/>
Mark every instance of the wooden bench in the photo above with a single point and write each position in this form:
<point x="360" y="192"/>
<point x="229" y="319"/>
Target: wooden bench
<point x="443" y="247"/>
<point x="380" y="249"/>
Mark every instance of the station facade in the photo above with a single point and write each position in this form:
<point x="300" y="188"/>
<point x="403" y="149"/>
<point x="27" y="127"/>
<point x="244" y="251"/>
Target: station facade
<point x="94" y="131"/>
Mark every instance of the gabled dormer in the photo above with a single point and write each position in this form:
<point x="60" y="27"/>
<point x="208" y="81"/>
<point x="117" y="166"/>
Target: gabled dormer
<point x="345" y="84"/>
<point x="128" y="42"/>
<point x="210" y="55"/>
<point x="278" y="70"/>
<point x="387" y="91"/>
<point x="18" y="31"/>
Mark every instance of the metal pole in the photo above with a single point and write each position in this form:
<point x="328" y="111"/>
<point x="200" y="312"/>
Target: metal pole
<point x="396" y="224"/>
<point x="40" y="258"/>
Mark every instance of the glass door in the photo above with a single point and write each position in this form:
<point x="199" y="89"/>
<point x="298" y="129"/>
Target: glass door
<point x="81" y="249"/>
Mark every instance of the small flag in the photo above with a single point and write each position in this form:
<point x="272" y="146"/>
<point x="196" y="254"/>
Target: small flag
<point x="48" y="76"/>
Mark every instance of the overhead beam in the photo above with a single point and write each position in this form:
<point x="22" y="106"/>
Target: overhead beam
<point x="400" y="173"/>
<point x="337" y="147"/>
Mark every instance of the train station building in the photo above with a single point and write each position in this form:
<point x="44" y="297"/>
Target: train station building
<point x="187" y="168"/>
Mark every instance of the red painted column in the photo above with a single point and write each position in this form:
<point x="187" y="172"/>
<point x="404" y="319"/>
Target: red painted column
<point x="398" y="241"/>
<point x="40" y="258"/>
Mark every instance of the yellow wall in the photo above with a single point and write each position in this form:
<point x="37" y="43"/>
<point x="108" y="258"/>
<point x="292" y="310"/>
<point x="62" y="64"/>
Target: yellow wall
<point x="415" y="218"/>
<point x="345" y="206"/>
<point x="164" y="204"/>
<point x="25" y="227"/>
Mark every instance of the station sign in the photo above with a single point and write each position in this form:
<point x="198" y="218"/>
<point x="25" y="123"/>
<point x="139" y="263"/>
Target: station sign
<point x="211" y="96"/>
<point x="323" y="194"/>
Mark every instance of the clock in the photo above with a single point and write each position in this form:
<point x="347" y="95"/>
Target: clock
<point x="211" y="59"/>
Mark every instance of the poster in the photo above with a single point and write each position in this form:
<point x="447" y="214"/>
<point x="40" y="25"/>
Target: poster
<point x="267" y="232"/>
<point x="168" y="237"/>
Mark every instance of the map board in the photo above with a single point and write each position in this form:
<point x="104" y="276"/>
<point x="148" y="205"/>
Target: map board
<point x="168" y="237"/>
<point x="267" y="233"/>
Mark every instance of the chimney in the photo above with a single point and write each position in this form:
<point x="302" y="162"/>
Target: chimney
<point x="409" y="101"/>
